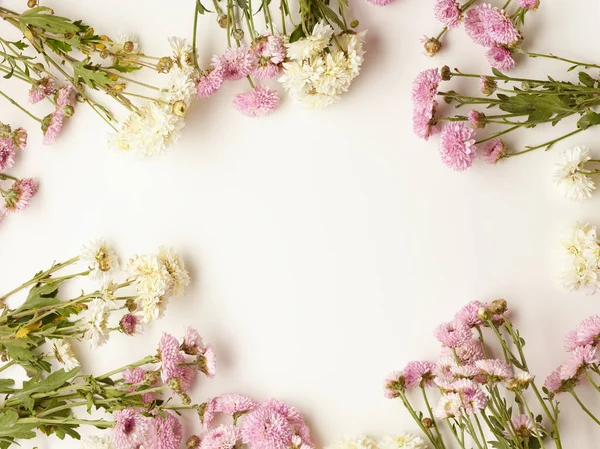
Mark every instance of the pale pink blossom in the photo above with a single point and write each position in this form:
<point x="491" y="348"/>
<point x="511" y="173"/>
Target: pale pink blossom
<point x="423" y="125"/>
<point x="419" y="373"/>
<point x="453" y="334"/>
<point x="235" y="63"/>
<point x="221" y="437"/>
<point x="477" y="119"/>
<point x="449" y="406"/>
<point x="270" y="53"/>
<point x="465" y="371"/>
<point x="172" y="359"/>
<point x="493" y="150"/>
<point x="393" y="383"/>
<point x="130" y="429"/>
<point x="52" y="126"/>
<point x="448" y="12"/>
<point x="129" y="324"/>
<point x="468" y="314"/>
<point x="553" y="382"/>
<point x="19" y="195"/>
<point x="165" y="432"/>
<point x="487" y="25"/>
<point x="425" y="89"/>
<point x="7" y="153"/>
<point x="500" y="58"/>
<point x="523" y="426"/>
<point x="571" y="341"/>
<point x="457" y="146"/>
<point x="581" y="358"/>
<point x="266" y="428"/>
<point x="209" y="83"/>
<point x="209" y="362"/>
<point x="475" y="25"/>
<point x="529" y="4"/>
<point x="192" y="342"/>
<point x="19" y="137"/>
<point x="136" y="377"/>
<point x="66" y="96"/>
<point x="588" y="331"/>
<point x="496" y="370"/>
<point x="234" y="403"/>
<point x="43" y="88"/>
<point x="473" y="398"/>
<point x="259" y="102"/>
<point x="469" y="352"/>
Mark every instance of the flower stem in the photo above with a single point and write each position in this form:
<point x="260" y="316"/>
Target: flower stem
<point x="584" y="408"/>
<point x="20" y="107"/>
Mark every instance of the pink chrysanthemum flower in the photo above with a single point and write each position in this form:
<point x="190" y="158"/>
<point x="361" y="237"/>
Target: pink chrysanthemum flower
<point x="523" y="426"/>
<point x="171" y="360"/>
<point x="130" y="429"/>
<point x="448" y="12"/>
<point x="457" y="146"/>
<point x="380" y="2"/>
<point x="571" y="341"/>
<point x="473" y="399"/>
<point x="453" y="334"/>
<point x="468" y="353"/>
<point x="66" y="96"/>
<point x="221" y="437"/>
<point x="292" y="414"/>
<point x="475" y="25"/>
<point x="465" y="371"/>
<point x="581" y="358"/>
<point x="487" y="85"/>
<point x="209" y="83"/>
<point x="7" y="153"/>
<point x="19" y="195"/>
<point x="259" y="102"/>
<point x="270" y="53"/>
<point x="419" y="374"/>
<point x="19" y="138"/>
<point x="445" y="364"/>
<point x="493" y="151"/>
<point x="135" y="377"/>
<point x="445" y="384"/>
<point x="500" y="58"/>
<point x="235" y="63"/>
<point x="265" y="428"/>
<point x="393" y="383"/>
<point x="553" y="382"/>
<point x="499" y="26"/>
<point x="468" y="314"/>
<point x="192" y="342"/>
<point x="588" y="332"/>
<point x="477" y="119"/>
<point x="165" y="432"/>
<point x="449" y="406"/>
<point x="529" y="4"/>
<point x="44" y="87"/>
<point x="496" y="370"/>
<point x="233" y="403"/>
<point x="209" y="362"/>
<point x="423" y="125"/>
<point x="52" y="125"/>
<point x="129" y="324"/>
<point x="425" y="89"/>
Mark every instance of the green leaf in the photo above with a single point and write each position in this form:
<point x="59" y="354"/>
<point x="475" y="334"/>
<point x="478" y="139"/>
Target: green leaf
<point x="52" y="382"/>
<point x="498" y="73"/>
<point x="17" y="351"/>
<point x="90" y="77"/>
<point x="8" y="418"/>
<point x="20" y="45"/>
<point x="42" y="295"/>
<point x="589" y="119"/>
<point x="242" y="4"/>
<point x="330" y="13"/>
<point x="124" y="68"/>
<point x="51" y="23"/>
<point x="586" y="79"/>
<point x="58" y="46"/>
<point x="297" y="34"/>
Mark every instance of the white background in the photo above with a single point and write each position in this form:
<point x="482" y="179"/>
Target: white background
<point x="324" y="246"/>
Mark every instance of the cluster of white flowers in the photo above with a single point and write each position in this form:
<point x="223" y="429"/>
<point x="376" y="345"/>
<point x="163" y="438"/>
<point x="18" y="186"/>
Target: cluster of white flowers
<point x="570" y="175"/>
<point x="157" y="277"/>
<point x="316" y="77"/>
<point x="156" y="125"/>
<point x="400" y="441"/>
<point x="582" y="259"/>
<point x="63" y="352"/>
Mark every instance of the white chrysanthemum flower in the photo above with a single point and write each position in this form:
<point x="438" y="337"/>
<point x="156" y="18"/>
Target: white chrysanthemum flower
<point x="448" y="406"/>
<point x="64" y="353"/>
<point x="180" y="278"/>
<point x="335" y="79"/>
<point x="580" y="276"/>
<point x="97" y="327"/>
<point x="318" y="101"/>
<point x="574" y="184"/>
<point x="100" y="258"/>
<point x="150" y="275"/>
<point x="118" y="45"/>
<point x="352" y="45"/>
<point x="312" y="45"/>
<point x="402" y="441"/>
<point x="97" y="443"/>
<point x="151" y="308"/>
<point x="182" y="86"/>
<point x="148" y="131"/>
<point x="582" y="258"/>
<point x="182" y="52"/>
<point x="359" y="442"/>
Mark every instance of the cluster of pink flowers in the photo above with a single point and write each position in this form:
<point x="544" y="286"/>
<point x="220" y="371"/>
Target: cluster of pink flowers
<point x="458" y="147"/>
<point x="582" y="343"/>
<point x="19" y="192"/>
<point x="64" y="99"/>
<point x="262" y="60"/>
<point x="271" y="424"/>
<point x="134" y="429"/>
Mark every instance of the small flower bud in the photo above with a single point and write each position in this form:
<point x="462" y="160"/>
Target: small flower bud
<point x="192" y="442"/>
<point x="128" y="324"/>
<point x="32" y="3"/>
<point x="432" y="46"/>
<point x="484" y="314"/>
<point x="104" y="54"/>
<point x="201" y="411"/>
<point x="68" y="110"/>
<point x="487" y="85"/>
<point x="176" y="385"/>
<point x="445" y="73"/>
<point x="151" y="378"/>
<point x="477" y="119"/>
<point x="185" y="399"/>
<point x="448" y="99"/>
<point x="354" y="23"/>
<point x="222" y="21"/>
<point x="128" y="46"/>
<point x="427" y="423"/>
<point x="164" y="65"/>
<point x="131" y="305"/>
<point x="499" y="306"/>
<point x="238" y="34"/>
<point x="179" y="108"/>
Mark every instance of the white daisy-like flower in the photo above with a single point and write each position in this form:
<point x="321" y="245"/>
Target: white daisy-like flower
<point x="582" y="259"/>
<point x="402" y="441"/>
<point x="311" y="45"/>
<point x="180" y="278"/>
<point x="182" y="52"/>
<point x="97" y="327"/>
<point x="151" y="308"/>
<point x="358" y="442"/>
<point x="100" y="258"/>
<point x="97" y="443"/>
<point x="448" y="406"/>
<point x="579" y="275"/>
<point x="119" y="44"/>
<point x="150" y="275"/>
<point x="318" y="101"/>
<point x="64" y="353"/>
<point x="352" y="44"/>
<point x="182" y="86"/>
<point x="574" y="184"/>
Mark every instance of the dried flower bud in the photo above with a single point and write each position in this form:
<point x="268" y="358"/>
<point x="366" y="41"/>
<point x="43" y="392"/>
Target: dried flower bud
<point x="238" y="34"/>
<point x="131" y="305"/>
<point x="450" y="97"/>
<point x="179" y="108"/>
<point x="176" y="385"/>
<point x="201" y="411"/>
<point x="151" y="378"/>
<point x="445" y="73"/>
<point x="104" y="54"/>
<point x="128" y="46"/>
<point x="354" y="23"/>
<point x="427" y="423"/>
<point x="4" y="356"/>
<point x="128" y="324"/>
<point x="164" y="65"/>
<point x="185" y="399"/>
<point x="432" y="46"/>
<point x="484" y="314"/>
<point x="68" y="110"/>
<point x="477" y="119"/>
<point x="499" y="306"/>
<point x="192" y="442"/>
<point x="32" y="3"/>
<point x="488" y="85"/>
<point x="222" y="21"/>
